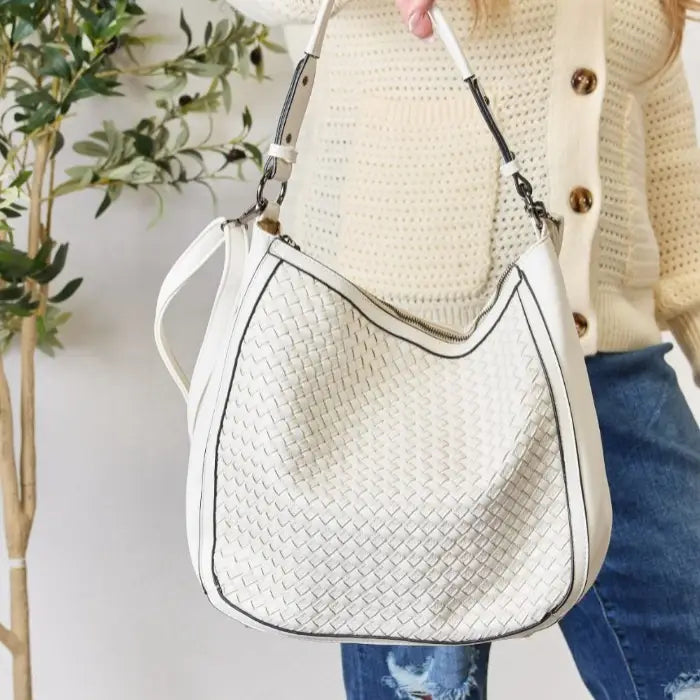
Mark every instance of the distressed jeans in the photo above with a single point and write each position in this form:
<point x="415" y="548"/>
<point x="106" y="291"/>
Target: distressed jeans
<point x="635" y="635"/>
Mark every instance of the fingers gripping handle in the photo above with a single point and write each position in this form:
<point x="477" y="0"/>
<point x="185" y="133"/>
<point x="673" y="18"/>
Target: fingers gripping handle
<point x="440" y="25"/>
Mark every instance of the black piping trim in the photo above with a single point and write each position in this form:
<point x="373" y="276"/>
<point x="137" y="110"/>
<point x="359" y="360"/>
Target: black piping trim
<point x="221" y="424"/>
<point x="204" y="455"/>
<point x="560" y="443"/>
<point x="573" y="423"/>
<point x="287" y="631"/>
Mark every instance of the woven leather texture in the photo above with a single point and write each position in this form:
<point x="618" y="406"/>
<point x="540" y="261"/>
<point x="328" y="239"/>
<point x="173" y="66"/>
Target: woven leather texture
<point x="366" y="486"/>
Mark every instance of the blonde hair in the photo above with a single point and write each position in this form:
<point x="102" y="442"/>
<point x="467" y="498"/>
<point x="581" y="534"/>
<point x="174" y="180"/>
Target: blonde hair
<point x="677" y="11"/>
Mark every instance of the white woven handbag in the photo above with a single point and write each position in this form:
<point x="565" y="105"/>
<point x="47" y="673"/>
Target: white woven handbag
<point x="357" y="473"/>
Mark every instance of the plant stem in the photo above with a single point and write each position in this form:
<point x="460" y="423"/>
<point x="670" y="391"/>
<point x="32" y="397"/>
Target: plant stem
<point x="10" y="640"/>
<point x="136" y="70"/>
<point x="17" y="528"/>
<point x="20" y="500"/>
<point x="21" y="662"/>
<point x="29" y="337"/>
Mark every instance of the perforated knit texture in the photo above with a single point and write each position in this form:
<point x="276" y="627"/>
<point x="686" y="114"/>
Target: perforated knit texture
<point x="424" y="219"/>
<point x="432" y="481"/>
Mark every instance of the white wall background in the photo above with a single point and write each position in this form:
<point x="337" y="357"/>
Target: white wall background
<point x="116" y="609"/>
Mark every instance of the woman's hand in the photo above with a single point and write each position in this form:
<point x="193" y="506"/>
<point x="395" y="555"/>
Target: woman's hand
<point x="415" y="14"/>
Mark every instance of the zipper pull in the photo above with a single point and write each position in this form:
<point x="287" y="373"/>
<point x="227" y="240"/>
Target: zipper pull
<point x="289" y="241"/>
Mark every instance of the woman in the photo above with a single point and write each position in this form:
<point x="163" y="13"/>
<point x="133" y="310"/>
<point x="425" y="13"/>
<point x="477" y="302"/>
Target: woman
<point x="402" y="193"/>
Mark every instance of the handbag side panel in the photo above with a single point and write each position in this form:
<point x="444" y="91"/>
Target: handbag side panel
<point x="545" y="301"/>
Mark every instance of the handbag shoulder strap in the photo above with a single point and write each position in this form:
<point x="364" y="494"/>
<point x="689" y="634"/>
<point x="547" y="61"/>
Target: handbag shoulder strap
<point x="235" y="241"/>
<point x="282" y="152"/>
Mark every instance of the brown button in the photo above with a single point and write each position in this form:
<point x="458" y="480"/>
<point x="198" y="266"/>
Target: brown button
<point x="584" y="81"/>
<point x="580" y="199"/>
<point x="581" y="323"/>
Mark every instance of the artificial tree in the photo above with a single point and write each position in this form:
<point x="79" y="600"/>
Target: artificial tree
<point x="56" y="56"/>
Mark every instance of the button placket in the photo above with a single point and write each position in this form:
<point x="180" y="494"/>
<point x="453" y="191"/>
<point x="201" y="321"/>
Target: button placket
<point x="577" y="89"/>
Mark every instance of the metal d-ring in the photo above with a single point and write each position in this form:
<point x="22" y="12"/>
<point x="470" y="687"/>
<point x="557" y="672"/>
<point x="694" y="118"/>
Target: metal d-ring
<point x="261" y="201"/>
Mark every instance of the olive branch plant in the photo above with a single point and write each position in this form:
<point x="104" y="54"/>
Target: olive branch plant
<point x="55" y="57"/>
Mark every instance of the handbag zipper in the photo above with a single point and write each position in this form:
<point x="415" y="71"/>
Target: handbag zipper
<point x="436" y="330"/>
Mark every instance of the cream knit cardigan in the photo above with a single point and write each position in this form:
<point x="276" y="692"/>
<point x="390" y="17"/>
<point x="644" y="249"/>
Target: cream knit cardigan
<point x="397" y="180"/>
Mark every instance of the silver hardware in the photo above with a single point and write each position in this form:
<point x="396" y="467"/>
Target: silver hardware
<point x="247" y="215"/>
<point x="262" y="202"/>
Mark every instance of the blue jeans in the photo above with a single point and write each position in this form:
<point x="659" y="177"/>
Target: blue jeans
<point x="636" y="633"/>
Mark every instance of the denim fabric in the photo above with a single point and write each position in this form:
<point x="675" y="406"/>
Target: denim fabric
<point x="636" y="632"/>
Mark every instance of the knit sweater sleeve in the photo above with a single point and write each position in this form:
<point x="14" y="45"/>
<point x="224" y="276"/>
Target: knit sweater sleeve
<point x="673" y="192"/>
<point x="278" y="12"/>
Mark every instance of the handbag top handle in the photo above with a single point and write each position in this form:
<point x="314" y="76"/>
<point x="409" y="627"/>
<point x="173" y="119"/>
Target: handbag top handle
<point x="282" y="153"/>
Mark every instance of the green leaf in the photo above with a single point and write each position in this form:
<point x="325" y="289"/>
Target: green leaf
<point x="254" y="151"/>
<point x="67" y="291"/>
<point x="115" y="144"/>
<point x="161" y="139"/>
<point x="220" y="31"/>
<point x="52" y="270"/>
<point x="21" y="30"/>
<point x="23" y="307"/>
<point x="203" y="70"/>
<point x="67" y="187"/>
<point x="208" y="32"/>
<point x="183" y="137"/>
<point x="185" y="28"/>
<point x="226" y="94"/>
<point x="21" y="178"/>
<point x="14" y="264"/>
<point x="247" y="118"/>
<point x="193" y="154"/>
<point x="87" y="177"/>
<point x="90" y="17"/>
<point x="274" y="47"/>
<point x="55" y="64"/>
<point x="143" y="144"/>
<point x="42" y="255"/>
<point x="90" y="148"/>
<point x="174" y="86"/>
<point x="39" y="118"/>
<point x="33" y="99"/>
<point x="115" y="189"/>
<point x="137" y="171"/>
<point x="146" y="125"/>
<point x="106" y="201"/>
<point x="59" y="142"/>
<point x="89" y="85"/>
<point x="11" y="293"/>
